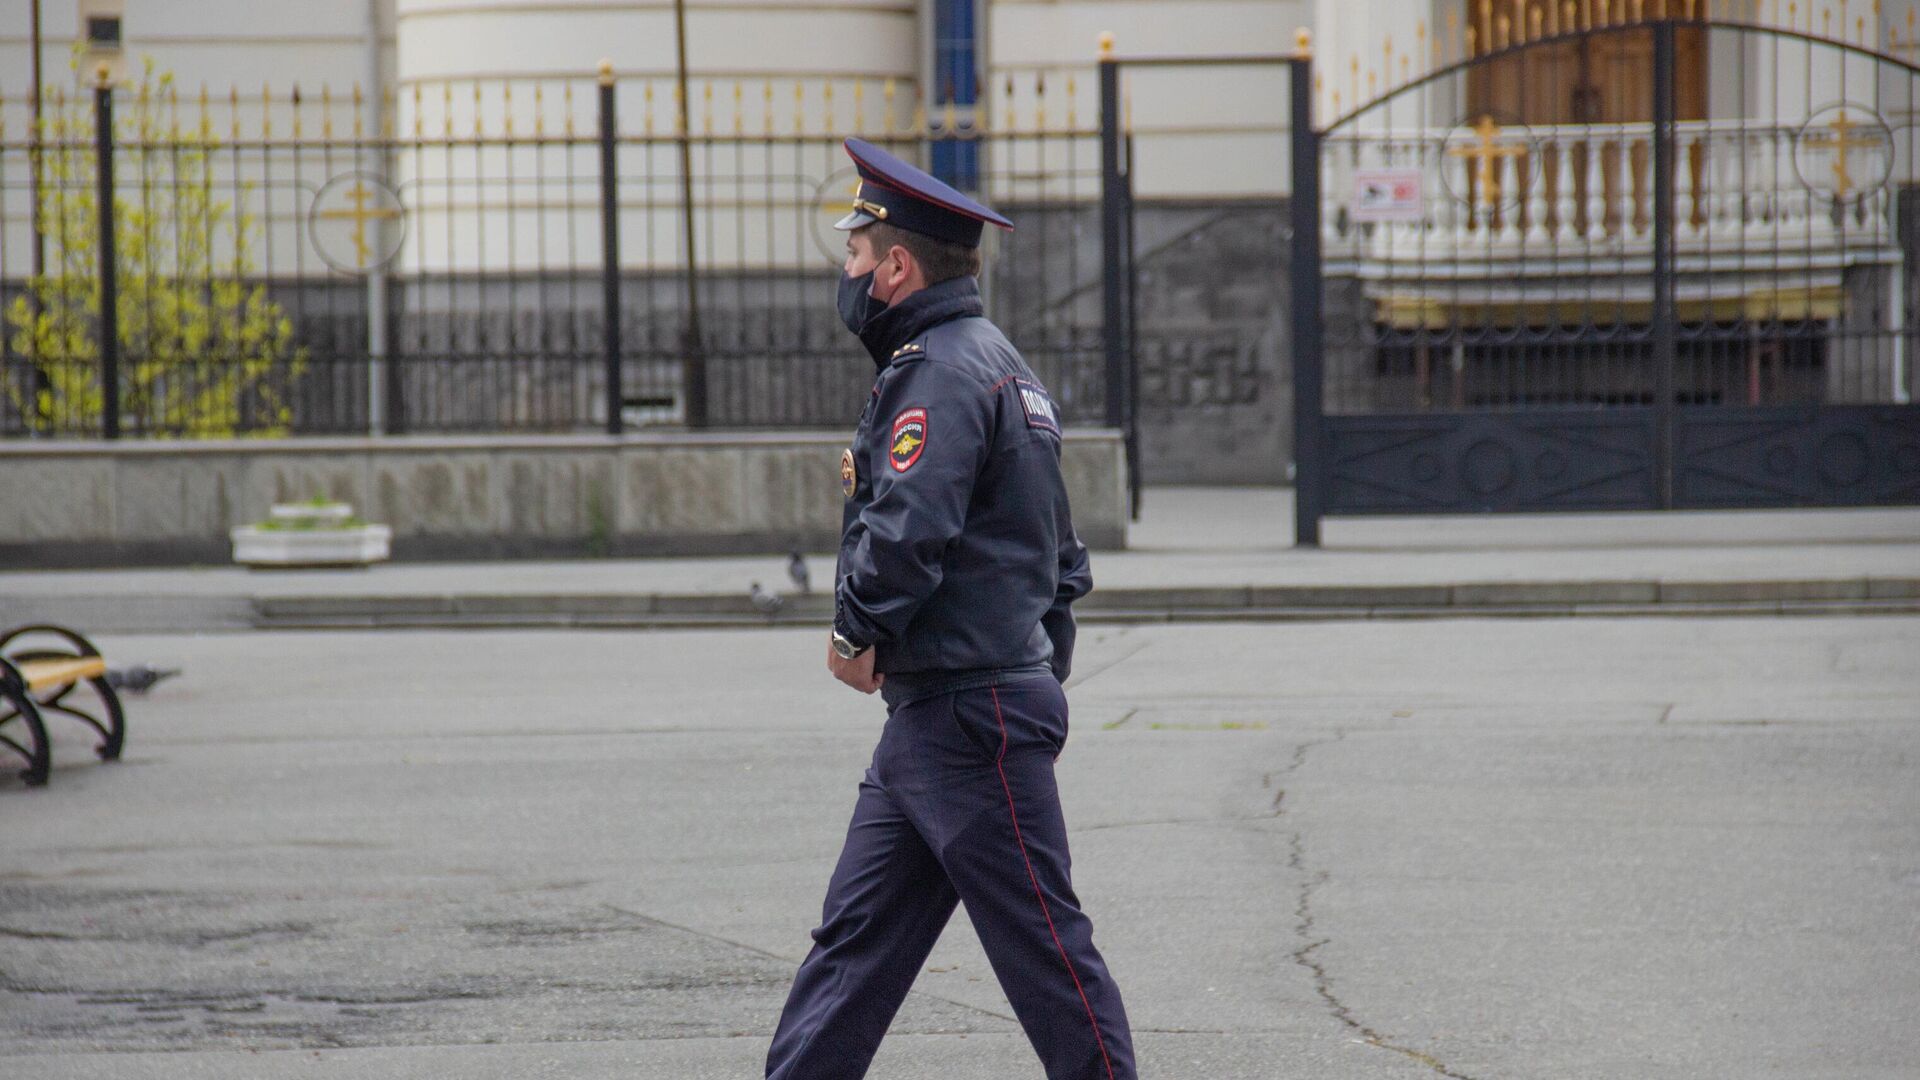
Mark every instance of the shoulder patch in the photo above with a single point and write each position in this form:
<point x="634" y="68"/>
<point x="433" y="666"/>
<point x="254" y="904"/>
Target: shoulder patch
<point x="909" y="439"/>
<point x="911" y="348"/>
<point x="1037" y="405"/>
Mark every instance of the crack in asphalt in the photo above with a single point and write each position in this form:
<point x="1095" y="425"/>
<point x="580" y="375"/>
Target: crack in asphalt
<point x="1310" y="882"/>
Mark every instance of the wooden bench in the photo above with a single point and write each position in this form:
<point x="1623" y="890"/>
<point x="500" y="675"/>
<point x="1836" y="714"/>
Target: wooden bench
<point x="40" y="669"/>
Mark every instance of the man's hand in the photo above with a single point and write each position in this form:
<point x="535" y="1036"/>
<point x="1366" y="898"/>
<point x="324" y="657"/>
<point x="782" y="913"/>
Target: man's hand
<point x="857" y="672"/>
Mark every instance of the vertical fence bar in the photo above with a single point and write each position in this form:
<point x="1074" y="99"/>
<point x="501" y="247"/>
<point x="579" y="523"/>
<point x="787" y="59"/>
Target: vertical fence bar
<point x="1309" y="471"/>
<point x="1663" y="312"/>
<point x="109" y="285"/>
<point x="693" y="345"/>
<point x="1131" y="309"/>
<point x="1113" y="293"/>
<point x="610" y="251"/>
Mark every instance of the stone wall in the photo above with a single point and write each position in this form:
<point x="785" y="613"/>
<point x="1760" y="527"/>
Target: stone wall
<point x="81" y="504"/>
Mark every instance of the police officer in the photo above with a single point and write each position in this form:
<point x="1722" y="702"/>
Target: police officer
<point x="958" y="568"/>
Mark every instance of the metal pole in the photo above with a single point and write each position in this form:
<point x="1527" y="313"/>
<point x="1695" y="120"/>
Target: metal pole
<point x="1309" y="470"/>
<point x="109" y="286"/>
<point x="693" y="348"/>
<point x="1112" y="209"/>
<point x="33" y="154"/>
<point x="377" y="279"/>
<point x="610" y="252"/>
<point x="1663" y="313"/>
<point x="1132" y="323"/>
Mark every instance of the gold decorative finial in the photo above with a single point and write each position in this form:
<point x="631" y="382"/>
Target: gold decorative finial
<point x="606" y="72"/>
<point x="103" y="74"/>
<point x="1106" y="44"/>
<point x="1303" y="41"/>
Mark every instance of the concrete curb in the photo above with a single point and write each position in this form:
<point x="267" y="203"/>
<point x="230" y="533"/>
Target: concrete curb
<point x="1557" y="599"/>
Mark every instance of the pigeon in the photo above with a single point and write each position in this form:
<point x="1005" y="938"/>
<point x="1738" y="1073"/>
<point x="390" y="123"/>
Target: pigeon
<point x="797" y="570"/>
<point x="766" y="603"/>
<point x="139" y="678"/>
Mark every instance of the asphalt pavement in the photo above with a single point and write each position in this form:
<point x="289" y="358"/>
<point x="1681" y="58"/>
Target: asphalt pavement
<point x="1646" y="847"/>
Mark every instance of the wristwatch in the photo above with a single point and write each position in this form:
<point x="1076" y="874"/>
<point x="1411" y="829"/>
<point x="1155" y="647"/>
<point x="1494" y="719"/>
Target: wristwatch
<point x="845" y="648"/>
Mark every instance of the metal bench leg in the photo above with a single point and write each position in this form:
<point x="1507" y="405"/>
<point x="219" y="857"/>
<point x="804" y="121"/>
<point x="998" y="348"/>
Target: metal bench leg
<point x="18" y="705"/>
<point x="112" y="727"/>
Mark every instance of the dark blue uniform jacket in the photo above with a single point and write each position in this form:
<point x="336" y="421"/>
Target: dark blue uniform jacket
<point x="958" y="560"/>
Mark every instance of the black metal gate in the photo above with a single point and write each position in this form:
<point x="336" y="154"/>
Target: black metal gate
<point x="1660" y="264"/>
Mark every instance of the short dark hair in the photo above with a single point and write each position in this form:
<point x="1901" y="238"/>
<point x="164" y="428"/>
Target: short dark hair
<point x="940" y="260"/>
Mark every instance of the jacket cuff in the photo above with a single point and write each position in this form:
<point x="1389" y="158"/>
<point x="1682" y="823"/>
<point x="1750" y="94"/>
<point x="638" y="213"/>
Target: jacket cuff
<point x="844" y="627"/>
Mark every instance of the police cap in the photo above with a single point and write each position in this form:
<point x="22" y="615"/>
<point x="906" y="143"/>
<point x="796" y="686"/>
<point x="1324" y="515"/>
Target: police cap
<point x="900" y="195"/>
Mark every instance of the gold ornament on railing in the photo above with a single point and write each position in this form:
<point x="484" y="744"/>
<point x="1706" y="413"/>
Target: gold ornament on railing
<point x="206" y="118"/>
<point x="478" y="113"/>
<point x="506" y="103"/>
<point x="326" y="112"/>
<point x="539" y="110"/>
<point x="266" y="111"/>
<point x="566" y="105"/>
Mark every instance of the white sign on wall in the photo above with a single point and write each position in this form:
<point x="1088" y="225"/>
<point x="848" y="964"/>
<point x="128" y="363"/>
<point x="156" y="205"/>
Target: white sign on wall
<point x="1387" y="195"/>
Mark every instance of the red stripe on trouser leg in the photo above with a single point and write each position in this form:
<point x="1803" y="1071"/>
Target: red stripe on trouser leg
<point x="1034" y="878"/>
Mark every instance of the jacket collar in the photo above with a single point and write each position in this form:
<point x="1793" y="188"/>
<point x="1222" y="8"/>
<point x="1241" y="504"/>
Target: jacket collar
<point x="955" y="298"/>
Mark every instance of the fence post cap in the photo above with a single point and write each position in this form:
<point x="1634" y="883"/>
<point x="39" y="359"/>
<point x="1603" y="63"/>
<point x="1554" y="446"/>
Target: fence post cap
<point x="1303" y="41"/>
<point x="1106" y="44"/>
<point x="606" y="72"/>
<point x="103" y="74"/>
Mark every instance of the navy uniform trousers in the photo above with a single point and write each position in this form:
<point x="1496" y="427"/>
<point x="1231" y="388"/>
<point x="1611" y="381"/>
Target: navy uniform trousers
<point x="959" y="805"/>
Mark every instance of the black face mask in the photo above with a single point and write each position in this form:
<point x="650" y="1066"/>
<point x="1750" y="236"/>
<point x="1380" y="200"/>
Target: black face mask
<point x="856" y="302"/>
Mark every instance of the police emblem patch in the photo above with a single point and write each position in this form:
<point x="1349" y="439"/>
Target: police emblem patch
<point x="849" y="477"/>
<point x="909" y="439"/>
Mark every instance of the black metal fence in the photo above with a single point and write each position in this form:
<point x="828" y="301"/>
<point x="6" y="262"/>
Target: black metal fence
<point x="178" y="264"/>
<point x="1558" y="274"/>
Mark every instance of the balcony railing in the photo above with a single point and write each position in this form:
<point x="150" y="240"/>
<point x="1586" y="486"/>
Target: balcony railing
<point x="1529" y="201"/>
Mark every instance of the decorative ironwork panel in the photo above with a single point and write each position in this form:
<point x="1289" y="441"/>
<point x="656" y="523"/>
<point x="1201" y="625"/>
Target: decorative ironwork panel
<point x="1515" y="461"/>
<point x="1835" y="455"/>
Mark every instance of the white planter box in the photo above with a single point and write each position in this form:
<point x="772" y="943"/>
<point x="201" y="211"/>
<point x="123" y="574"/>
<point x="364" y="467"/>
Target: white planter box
<point x="255" y="546"/>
